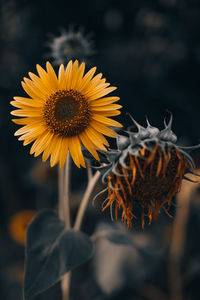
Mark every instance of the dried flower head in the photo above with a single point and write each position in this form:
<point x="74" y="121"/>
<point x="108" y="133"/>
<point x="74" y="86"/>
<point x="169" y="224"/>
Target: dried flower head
<point x="71" y="44"/>
<point x="148" y="167"/>
<point x="65" y="112"/>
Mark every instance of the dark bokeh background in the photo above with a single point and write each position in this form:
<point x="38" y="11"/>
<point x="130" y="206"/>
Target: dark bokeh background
<point x="151" y="51"/>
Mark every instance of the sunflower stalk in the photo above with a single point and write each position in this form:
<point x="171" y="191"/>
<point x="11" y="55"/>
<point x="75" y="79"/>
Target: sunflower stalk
<point x="64" y="214"/>
<point x="83" y="205"/>
<point x="89" y="170"/>
<point x="64" y="209"/>
<point x="60" y="192"/>
<point x="66" y="202"/>
<point x="178" y="240"/>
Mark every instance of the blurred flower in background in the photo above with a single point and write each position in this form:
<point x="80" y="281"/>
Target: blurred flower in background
<point x="71" y="44"/>
<point x="18" y="224"/>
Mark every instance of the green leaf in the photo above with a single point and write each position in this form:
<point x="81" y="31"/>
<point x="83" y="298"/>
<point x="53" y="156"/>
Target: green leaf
<point x="52" y="251"/>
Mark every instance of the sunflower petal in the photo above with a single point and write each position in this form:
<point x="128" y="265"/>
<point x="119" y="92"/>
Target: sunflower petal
<point x="75" y="71"/>
<point x="43" y="143"/>
<point x="45" y="78"/>
<point x="39" y="84"/>
<point x="106" y="121"/>
<point x="52" y="75"/>
<point x="89" y="145"/>
<point x="96" y="136"/>
<point x="49" y="149"/>
<point x="98" y="144"/>
<point x="80" y="75"/>
<point x="75" y="151"/>
<point x="87" y="78"/>
<point x="55" y="151"/>
<point x="93" y="83"/>
<point x="36" y="88"/>
<point x="110" y="113"/>
<point x="28" y="128"/>
<point x="68" y="75"/>
<point x="102" y="93"/>
<point x="38" y="140"/>
<point x="29" y="91"/>
<point x="35" y="112"/>
<point x="103" y="129"/>
<point x="61" y="78"/>
<point x="24" y="102"/>
<point x="64" y="151"/>
<point x="95" y="90"/>
<point x="104" y="101"/>
<point x="25" y="121"/>
<point x="106" y="107"/>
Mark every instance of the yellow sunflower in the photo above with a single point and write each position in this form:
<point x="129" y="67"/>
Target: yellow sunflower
<point x="65" y="112"/>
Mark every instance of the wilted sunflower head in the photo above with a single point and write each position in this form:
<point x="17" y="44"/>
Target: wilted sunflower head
<point x="148" y="167"/>
<point x="65" y="112"/>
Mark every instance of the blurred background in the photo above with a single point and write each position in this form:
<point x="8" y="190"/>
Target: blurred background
<point x="150" y="50"/>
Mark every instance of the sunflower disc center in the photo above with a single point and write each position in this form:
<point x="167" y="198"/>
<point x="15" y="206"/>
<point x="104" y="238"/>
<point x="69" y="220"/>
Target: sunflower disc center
<point x="66" y="108"/>
<point x="67" y="113"/>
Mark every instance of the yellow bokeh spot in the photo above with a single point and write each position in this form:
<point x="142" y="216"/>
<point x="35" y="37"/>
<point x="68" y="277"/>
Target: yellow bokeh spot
<point x="18" y="224"/>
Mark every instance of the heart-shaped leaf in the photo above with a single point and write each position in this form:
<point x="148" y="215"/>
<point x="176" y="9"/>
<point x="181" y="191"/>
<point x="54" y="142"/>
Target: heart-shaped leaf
<point x="52" y="251"/>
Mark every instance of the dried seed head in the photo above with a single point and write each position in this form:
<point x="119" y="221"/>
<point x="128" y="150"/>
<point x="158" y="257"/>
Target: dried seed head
<point x="148" y="168"/>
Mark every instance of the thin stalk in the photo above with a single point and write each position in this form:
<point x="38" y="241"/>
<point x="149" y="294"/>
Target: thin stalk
<point x="60" y="192"/>
<point x="65" y="286"/>
<point x="89" y="170"/>
<point x="178" y="238"/>
<point x="66" y="202"/>
<point x="64" y="214"/>
<point x="85" y="200"/>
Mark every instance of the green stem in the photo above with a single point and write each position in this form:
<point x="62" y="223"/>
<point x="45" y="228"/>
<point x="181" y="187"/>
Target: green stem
<point x="66" y="202"/>
<point x="91" y="184"/>
<point x="64" y="214"/>
<point x="65" y="286"/>
<point x="89" y="170"/>
<point x="60" y="192"/>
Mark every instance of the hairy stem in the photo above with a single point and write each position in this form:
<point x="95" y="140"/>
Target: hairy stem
<point x="60" y="192"/>
<point x="89" y="170"/>
<point x="65" y="286"/>
<point x="91" y="184"/>
<point x="64" y="214"/>
<point x="66" y="202"/>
